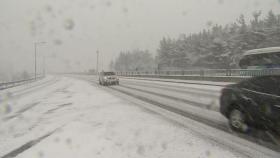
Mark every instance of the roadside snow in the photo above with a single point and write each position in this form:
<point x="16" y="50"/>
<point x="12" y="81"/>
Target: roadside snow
<point x="208" y="86"/>
<point x="89" y="122"/>
<point x="210" y="83"/>
<point x="9" y="98"/>
<point x="26" y="86"/>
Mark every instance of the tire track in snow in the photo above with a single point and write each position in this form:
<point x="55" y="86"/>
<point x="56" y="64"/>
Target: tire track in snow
<point x="28" y="145"/>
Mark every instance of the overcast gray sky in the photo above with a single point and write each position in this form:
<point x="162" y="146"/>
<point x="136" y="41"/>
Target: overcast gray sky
<point x="75" y="29"/>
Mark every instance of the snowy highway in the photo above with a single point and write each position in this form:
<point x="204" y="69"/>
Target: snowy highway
<point x="75" y="117"/>
<point x="140" y="79"/>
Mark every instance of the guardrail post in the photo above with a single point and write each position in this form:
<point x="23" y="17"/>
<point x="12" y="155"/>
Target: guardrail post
<point x="228" y="72"/>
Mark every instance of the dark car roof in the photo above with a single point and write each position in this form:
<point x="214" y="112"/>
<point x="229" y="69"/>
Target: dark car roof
<point x="262" y="51"/>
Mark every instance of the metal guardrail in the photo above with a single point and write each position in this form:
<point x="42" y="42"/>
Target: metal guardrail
<point x="7" y="85"/>
<point x="206" y="72"/>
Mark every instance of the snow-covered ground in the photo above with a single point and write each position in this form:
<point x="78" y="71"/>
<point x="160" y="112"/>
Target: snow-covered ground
<point x="72" y="118"/>
<point x="196" y="82"/>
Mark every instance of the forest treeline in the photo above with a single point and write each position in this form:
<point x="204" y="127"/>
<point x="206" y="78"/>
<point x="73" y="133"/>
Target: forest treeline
<point x="216" y="47"/>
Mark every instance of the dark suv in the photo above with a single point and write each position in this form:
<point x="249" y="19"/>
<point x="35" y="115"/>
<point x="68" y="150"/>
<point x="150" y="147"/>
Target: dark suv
<point x="108" y="78"/>
<point x="254" y="102"/>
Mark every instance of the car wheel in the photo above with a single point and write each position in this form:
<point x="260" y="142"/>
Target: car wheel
<point x="237" y="121"/>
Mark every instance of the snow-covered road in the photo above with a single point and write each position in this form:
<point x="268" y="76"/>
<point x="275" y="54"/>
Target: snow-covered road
<point x="68" y="118"/>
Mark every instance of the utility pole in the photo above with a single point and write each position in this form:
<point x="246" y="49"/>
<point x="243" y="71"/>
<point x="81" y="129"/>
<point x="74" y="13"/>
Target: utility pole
<point x="35" y="66"/>
<point x="44" y="66"/>
<point x="35" y="56"/>
<point x="102" y="60"/>
<point x="97" y="53"/>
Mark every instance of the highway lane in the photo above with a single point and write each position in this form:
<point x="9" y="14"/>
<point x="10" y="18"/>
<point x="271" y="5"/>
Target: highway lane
<point x="203" y="100"/>
<point x="198" y="102"/>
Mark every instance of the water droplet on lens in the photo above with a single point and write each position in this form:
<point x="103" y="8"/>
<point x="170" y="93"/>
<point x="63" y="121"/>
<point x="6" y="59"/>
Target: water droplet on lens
<point x="69" y="24"/>
<point x="125" y="10"/>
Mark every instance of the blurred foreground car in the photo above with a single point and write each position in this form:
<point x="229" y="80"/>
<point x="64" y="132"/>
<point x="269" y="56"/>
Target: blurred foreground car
<point x="108" y="78"/>
<point x="254" y="102"/>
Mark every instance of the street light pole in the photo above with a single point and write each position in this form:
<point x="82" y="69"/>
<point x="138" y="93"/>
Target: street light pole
<point x="97" y="53"/>
<point x="102" y="60"/>
<point x="44" y="66"/>
<point x="35" y="66"/>
<point x="35" y="56"/>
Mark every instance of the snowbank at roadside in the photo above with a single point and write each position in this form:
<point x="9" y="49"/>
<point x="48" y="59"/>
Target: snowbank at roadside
<point x="210" y="83"/>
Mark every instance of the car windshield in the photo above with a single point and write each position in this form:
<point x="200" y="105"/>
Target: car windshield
<point x="139" y="78"/>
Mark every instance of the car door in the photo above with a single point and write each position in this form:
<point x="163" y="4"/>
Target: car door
<point x="263" y="92"/>
<point x="249" y="99"/>
<point x="270" y="106"/>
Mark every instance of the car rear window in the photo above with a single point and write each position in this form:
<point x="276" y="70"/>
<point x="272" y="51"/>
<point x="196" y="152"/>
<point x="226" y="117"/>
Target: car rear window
<point x="109" y="73"/>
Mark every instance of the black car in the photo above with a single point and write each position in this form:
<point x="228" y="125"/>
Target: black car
<point x="108" y="78"/>
<point x="253" y="103"/>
